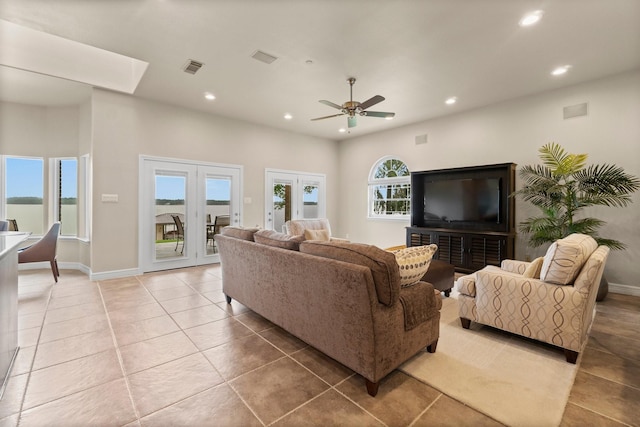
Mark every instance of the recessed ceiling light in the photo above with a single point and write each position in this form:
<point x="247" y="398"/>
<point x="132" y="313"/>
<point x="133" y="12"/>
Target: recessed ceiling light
<point x="342" y="130"/>
<point x="531" y="18"/>
<point x="389" y="117"/>
<point x="288" y="116"/>
<point x="209" y="96"/>
<point x="451" y="101"/>
<point x="560" y="70"/>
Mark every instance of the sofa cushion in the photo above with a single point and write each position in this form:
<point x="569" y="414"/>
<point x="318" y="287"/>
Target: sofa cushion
<point x="565" y="258"/>
<point x="277" y="239"/>
<point x="413" y="262"/>
<point x="239" y="232"/>
<point x="321" y="234"/>
<point x="533" y="269"/>
<point x="383" y="265"/>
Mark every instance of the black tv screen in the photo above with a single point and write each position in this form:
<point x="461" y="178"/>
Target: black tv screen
<point x="462" y="200"/>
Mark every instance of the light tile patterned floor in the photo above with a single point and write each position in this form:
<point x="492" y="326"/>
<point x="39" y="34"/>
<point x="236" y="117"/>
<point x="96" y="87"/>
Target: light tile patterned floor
<point x="164" y="349"/>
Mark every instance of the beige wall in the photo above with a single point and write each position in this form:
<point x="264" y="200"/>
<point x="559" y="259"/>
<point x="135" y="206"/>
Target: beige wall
<point x="125" y="127"/>
<point x="27" y="130"/>
<point x="510" y="132"/>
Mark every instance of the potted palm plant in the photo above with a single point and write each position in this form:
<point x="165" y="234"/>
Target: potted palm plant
<point x="562" y="186"/>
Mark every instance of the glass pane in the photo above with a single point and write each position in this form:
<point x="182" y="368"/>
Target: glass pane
<point x="24" y="192"/>
<point x="393" y="199"/>
<point x="170" y="202"/>
<point x="218" y="209"/>
<point x="310" y="200"/>
<point x="68" y="203"/>
<point x="281" y="203"/>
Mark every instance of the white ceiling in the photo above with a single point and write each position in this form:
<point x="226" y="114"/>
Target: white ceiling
<point x="414" y="53"/>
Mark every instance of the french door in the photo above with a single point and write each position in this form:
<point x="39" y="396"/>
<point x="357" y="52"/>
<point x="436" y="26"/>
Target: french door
<point x="293" y="195"/>
<point x="182" y="206"/>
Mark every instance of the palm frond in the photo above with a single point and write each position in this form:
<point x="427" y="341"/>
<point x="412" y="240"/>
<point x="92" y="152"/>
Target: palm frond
<point x="559" y="161"/>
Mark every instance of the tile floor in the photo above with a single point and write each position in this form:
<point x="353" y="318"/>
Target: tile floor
<point x="164" y="349"/>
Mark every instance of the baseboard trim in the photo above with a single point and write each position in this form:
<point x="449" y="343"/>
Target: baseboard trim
<point x="617" y="288"/>
<point x="115" y="274"/>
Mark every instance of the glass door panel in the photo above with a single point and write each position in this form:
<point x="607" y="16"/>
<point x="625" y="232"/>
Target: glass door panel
<point x="310" y="199"/>
<point x="217" y="208"/>
<point x="282" y="202"/>
<point x="170" y="201"/>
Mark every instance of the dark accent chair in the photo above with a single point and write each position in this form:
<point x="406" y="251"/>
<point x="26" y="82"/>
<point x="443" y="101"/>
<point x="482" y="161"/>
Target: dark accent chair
<point x="43" y="250"/>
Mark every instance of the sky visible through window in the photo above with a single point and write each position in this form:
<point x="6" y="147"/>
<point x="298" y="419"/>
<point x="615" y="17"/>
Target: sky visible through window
<point x="172" y="188"/>
<point x="24" y="177"/>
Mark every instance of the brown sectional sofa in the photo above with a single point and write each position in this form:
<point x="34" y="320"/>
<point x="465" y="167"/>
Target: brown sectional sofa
<point x="342" y="298"/>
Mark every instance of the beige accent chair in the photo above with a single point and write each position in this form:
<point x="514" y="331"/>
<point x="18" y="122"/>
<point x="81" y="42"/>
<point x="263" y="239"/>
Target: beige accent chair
<point x="43" y="250"/>
<point x="557" y="309"/>
<point x="296" y="227"/>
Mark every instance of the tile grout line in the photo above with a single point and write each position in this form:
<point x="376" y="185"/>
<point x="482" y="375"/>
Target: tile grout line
<point x="119" y="355"/>
<point x="598" y="413"/>
<point x="35" y="352"/>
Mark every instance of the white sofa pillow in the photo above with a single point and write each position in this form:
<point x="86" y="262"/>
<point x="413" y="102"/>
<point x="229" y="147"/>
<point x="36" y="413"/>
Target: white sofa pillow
<point x="565" y="258"/>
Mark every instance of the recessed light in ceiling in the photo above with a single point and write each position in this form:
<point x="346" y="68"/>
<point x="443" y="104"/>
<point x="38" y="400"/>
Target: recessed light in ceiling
<point x="209" y="96"/>
<point x="560" y="70"/>
<point x="451" y="101"/>
<point x="288" y="116"/>
<point x="531" y="18"/>
<point x="342" y="130"/>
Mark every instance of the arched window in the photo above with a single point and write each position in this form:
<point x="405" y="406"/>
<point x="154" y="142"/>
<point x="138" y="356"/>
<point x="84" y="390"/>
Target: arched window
<point x="389" y="189"/>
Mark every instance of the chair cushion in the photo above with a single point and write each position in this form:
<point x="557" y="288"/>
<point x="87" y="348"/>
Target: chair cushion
<point x="383" y="265"/>
<point x="321" y="234"/>
<point x="277" y="239"/>
<point x="239" y="232"/>
<point x="533" y="269"/>
<point x="565" y="258"/>
<point x="413" y="262"/>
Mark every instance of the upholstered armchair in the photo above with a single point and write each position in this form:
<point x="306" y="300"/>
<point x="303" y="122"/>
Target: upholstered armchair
<point x="550" y="299"/>
<point x="312" y="229"/>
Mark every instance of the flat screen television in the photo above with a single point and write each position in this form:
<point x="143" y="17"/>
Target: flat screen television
<point x="462" y="200"/>
<point x="468" y="198"/>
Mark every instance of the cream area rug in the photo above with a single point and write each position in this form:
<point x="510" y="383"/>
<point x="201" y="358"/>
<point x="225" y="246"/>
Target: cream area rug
<point x="514" y="380"/>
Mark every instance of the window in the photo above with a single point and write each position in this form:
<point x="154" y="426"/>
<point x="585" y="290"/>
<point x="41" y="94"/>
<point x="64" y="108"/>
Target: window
<point x="389" y="189"/>
<point x="24" y="193"/>
<point x="65" y="194"/>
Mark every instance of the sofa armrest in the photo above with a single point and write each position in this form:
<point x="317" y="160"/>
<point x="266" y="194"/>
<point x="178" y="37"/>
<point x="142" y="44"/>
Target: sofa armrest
<point x="514" y="266"/>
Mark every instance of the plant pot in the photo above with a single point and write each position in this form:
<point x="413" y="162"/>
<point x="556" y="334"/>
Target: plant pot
<point x="603" y="289"/>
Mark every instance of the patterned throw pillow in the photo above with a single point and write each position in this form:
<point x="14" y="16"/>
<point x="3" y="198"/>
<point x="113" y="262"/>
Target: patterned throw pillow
<point x="413" y="262"/>
<point x="533" y="269"/>
<point x="565" y="258"/>
<point x="321" y="234"/>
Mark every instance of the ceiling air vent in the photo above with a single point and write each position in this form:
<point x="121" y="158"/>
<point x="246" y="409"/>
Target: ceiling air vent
<point x="192" y="66"/>
<point x="263" y="57"/>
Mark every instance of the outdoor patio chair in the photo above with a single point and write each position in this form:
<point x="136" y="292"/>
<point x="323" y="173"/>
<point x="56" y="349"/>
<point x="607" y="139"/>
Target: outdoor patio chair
<point x="43" y="250"/>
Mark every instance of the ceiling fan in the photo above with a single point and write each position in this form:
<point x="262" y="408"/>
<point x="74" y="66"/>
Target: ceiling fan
<point x="352" y="108"/>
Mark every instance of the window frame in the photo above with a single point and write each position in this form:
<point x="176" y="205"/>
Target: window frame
<point x="374" y="182"/>
<point x="54" y="192"/>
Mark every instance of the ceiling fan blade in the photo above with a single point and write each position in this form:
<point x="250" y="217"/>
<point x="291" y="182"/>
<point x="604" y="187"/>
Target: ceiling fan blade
<point x="327" y="117"/>
<point x="378" y="114"/>
<point x="371" y="102"/>
<point x="352" y="121"/>
<point x="330" y="104"/>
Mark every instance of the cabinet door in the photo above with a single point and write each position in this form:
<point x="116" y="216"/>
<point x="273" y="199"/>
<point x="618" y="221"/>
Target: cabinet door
<point x="484" y="250"/>
<point x="419" y="237"/>
<point x="450" y="248"/>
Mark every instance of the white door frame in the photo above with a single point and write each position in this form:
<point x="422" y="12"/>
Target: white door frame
<point x="195" y="236"/>
<point x="297" y="180"/>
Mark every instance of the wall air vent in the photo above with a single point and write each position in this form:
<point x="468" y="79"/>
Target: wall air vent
<point x="263" y="57"/>
<point x="575" y="111"/>
<point x="192" y="66"/>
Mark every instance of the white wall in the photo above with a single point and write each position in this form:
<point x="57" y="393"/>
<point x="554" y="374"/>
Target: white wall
<point x="125" y="127"/>
<point x="510" y="132"/>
